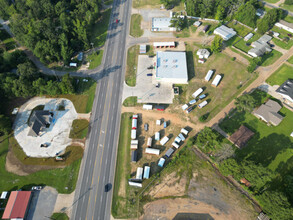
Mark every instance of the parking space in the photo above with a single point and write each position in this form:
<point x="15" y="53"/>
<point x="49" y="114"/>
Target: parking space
<point x="42" y="204"/>
<point x="146" y="88"/>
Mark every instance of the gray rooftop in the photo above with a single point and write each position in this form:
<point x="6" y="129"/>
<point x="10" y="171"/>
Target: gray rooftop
<point x="161" y="22"/>
<point x="290" y="25"/>
<point x="286" y="88"/>
<point x="39" y="120"/>
<point x="171" y="65"/>
<point x="261" y="46"/>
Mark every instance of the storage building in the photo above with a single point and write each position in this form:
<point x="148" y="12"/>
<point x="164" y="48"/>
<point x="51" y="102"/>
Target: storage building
<point x="197" y="92"/>
<point x="142" y="48"/>
<point x="203" y="53"/>
<point x="209" y="75"/>
<point x="217" y="80"/>
<point x="146" y="172"/>
<point x="204" y="103"/>
<point x="225" y="32"/>
<point x="149" y="143"/>
<point x="147" y="107"/>
<point x="164" y="44"/>
<point x="133" y="134"/>
<point x="139" y="172"/>
<point x="134" y="156"/>
<point x="152" y="151"/>
<point x="169" y="152"/>
<point x="161" y="162"/>
<point x="174" y="144"/>
<point x="162" y="24"/>
<point x="197" y="23"/>
<point x="248" y="37"/>
<point x="164" y="140"/>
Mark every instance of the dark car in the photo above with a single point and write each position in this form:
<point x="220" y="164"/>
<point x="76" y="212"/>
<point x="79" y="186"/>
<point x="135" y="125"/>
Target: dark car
<point x="149" y="74"/>
<point x="150" y="67"/>
<point x="108" y="187"/>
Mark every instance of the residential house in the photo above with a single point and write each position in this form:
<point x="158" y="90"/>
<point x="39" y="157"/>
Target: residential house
<point x="39" y="120"/>
<point x="203" y="53"/>
<point x="261" y="46"/>
<point x="286" y="90"/>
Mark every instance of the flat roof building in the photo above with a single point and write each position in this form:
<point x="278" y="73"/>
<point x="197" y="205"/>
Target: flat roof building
<point x="171" y="67"/>
<point x="162" y="24"/>
<point x="17" y="205"/>
<point x="286" y="90"/>
<point x="225" y="32"/>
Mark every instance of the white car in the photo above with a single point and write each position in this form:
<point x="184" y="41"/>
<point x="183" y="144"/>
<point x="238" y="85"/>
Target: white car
<point x="37" y="188"/>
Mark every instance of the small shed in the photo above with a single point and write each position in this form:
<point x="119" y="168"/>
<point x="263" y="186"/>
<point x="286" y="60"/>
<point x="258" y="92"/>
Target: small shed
<point x="197" y="23"/>
<point x="131" y="183"/>
<point x="142" y="48"/>
<point x="169" y="152"/>
<point x="147" y="107"/>
<point x="134" y="123"/>
<point x="206" y="28"/>
<point x="248" y="36"/>
<point x="4" y="195"/>
<point x="146" y="126"/>
<point x="158" y="122"/>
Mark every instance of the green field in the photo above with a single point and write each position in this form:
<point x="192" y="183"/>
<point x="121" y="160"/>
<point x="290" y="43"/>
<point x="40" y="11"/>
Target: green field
<point x="79" y="128"/>
<point x="99" y="29"/>
<point x="283" y="33"/>
<point x="272" y="1"/>
<point x="95" y="59"/>
<point x="289" y="19"/>
<point x="143" y="3"/>
<point x="290" y="60"/>
<point x="135" y="29"/>
<point x="235" y="79"/>
<point x="281" y="75"/>
<point x="64" y="179"/>
<point x="130" y="101"/>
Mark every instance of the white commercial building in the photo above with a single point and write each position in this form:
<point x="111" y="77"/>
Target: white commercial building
<point x="171" y="67"/>
<point x="225" y="32"/>
<point x="162" y="24"/>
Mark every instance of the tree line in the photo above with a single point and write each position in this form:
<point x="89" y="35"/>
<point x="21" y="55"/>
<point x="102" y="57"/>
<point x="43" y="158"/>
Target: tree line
<point x="52" y="29"/>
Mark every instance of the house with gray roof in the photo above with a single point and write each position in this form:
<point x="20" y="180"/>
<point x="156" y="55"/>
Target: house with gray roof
<point x="268" y="112"/>
<point x="286" y="90"/>
<point x="39" y="120"/>
<point x="261" y="46"/>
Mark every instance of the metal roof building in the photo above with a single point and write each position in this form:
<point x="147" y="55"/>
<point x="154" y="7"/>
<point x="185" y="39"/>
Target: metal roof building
<point x="17" y="205"/>
<point x="225" y="32"/>
<point x="171" y="67"/>
<point x="260" y="46"/>
<point x="162" y="24"/>
<point x="286" y="90"/>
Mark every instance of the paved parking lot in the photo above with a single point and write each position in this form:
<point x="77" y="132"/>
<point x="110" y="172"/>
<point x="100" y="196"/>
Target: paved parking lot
<point x="42" y="204"/>
<point x="145" y="89"/>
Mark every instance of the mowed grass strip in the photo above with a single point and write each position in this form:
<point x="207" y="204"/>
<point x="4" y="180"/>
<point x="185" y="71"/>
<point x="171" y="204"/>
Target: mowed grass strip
<point x="130" y="101"/>
<point x="59" y="216"/>
<point x="135" y="29"/>
<point x="95" y="59"/>
<point x="79" y="129"/>
<point x="142" y="3"/>
<point x="122" y="167"/>
<point x="281" y="75"/>
<point x="63" y="179"/>
<point x="132" y="59"/>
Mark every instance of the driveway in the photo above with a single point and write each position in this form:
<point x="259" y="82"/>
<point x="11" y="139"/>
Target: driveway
<point x="145" y="89"/>
<point x="42" y="204"/>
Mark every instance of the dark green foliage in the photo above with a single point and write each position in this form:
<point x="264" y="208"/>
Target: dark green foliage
<point x="288" y="2"/>
<point x="53" y="30"/>
<point x="5" y="125"/>
<point x="179" y="23"/>
<point x="207" y="139"/>
<point x="246" y="14"/>
<point x="217" y="44"/>
<point x="170" y="3"/>
<point x="245" y="103"/>
<point x="254" y="63"/>
<point x="269" y="19"/>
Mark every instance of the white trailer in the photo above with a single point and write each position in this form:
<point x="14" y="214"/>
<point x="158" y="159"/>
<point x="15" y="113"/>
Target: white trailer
<point x="174" y="144"/>
<point x="204" y="103"/>
<point x="152" y="151"/>
<point x="157" y="136"/>
<point x="147" y="107"/>
<point x="146" y="172"/>
<point x="184" y="131"/>
<point x="133" y="134"/>
<point x="161" y="162"/>
<point x="158" y="122"/>
<point x="197" y="92"/>
<point x="209" y="75"/>
<point x="178" y="140"/>
<point x="139" y="172"/>
<point x="133" y="146"/>
<point x="184" y="107"/>
<point x="134" y="141"/>
<point x="149" y="143"/>
<point x="134" y="123"/>
<point x="181" y="136"/>
<point x="164" y="140"/>
<point x="217" y="80"/>
<point x="134" y="184"/>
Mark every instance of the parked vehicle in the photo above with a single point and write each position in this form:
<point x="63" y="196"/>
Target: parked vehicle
<point x="149" y="74"/>
<point x="191" y="102"/>
<point x="37" y="188"/>
<point x="158" y="85"/>
<point x="165" y="124"/>
<point x="108" y="187"/>
<point x="181" y="137"/>
<point x="150" y="68"/>
<point x="202" y="96"/>
<point x="189" y="110"/>
<point x="117" y="21"/>
<point x="146" y="126"/>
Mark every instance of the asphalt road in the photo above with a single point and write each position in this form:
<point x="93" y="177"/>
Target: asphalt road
<point x="98" y="164"/>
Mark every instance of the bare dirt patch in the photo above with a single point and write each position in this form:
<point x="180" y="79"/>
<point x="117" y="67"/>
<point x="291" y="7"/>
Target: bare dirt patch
<point x="171" y="185"/>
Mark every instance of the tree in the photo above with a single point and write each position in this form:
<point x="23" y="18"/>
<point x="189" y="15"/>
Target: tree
<point x="220" y="15"/>
<point x="230" y="167"/>
<point x="27" y="70"/>
<point x="5" y="124"/>
<point x="269" y="19"/>
<point x="247" y="14"/>
<point x="254" y="63"/>
<point x="179" y="23"/>
<point x="245" y="103"/>
<point x="207" y="139"/>
<point x="66" y="85"/>
<point x="217" y="44"/>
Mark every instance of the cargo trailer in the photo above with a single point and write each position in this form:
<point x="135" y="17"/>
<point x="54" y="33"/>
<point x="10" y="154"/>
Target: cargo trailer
<point x="209" y="75"/>
<point x="184" y="131"/>
<point x="134" y="156"/>
<point x="178" y="140"/>
<point x="191" y="102"/>
<point x="134" y="142"/>
<point x="197" y="92"/>
<point x="164" y="140"/>
<point x="149" y="142"/>
<point x="146" y="172"/>
<point x="174" y="144"/>
<point x="169" y="152"/>
<point x="133" y="134"/>
<point x="133" y="146"/>
<point x="181" y="136"/>
<point x="203" y="104"/>
<point x="161" y="162"/>
<point x="147" y="107"/>
<point x="157" y="136"/>
<point x="134" y="184"/>
<point x="139" y="172"/>
<point x="134" y="124"/>
<point x="152" y="151"/>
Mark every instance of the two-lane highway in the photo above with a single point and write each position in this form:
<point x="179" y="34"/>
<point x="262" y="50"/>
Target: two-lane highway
<point x="98" y="165"/>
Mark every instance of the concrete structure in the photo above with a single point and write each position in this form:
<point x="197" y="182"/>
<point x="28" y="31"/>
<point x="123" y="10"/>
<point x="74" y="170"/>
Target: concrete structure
<point x="248" y="37"/>
<point x="225" y="32"/>
<point x="162" y="24"/>
<point x="217" y="80"/>
<point x="171" y="67"/>
<point x="268" y="112"/>
<point x="164" y="44"/>
<point x="17" y="205"/>
<point x="142" y="48"/>
<point x="285" y="25"/>
<point x="241" y="136"/>
<point x="286" y="90"/>
<point x="260" y="46"/>
<point x="203" y="53"/>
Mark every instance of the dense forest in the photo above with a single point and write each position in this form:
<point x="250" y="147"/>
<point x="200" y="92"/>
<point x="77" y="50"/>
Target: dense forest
<point x="53" y="29"/>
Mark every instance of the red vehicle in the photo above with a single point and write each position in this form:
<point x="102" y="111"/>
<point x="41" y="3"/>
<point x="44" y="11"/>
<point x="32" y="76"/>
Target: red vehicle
<point x="117" y="21"/>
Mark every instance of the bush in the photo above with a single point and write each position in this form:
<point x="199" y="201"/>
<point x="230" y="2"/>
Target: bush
<point x="233" y="58"/>
<point x="289" y="2"/>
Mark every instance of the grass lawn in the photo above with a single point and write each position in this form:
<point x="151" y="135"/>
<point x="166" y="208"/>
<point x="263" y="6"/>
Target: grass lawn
<point x="289" y="19"/>
<point x="271" y="57"/>
<point x="281" y="75"/>
<point x="79" y="128"/>
<point x="95" y="59"/>
<point x="235" y="79"/>
<point x="181" y="34"/>
<point x="283" y="44"/>
<point x="64" y="179"/>
<point x="287" y="7"/>
<point x="240" y="29"/>
<point x="290" y="60"/>
<point x="242" y="46"/>
<point x="59" y="216"/>
<point x="99" y="29"/>
<point x="283" y="33"/>
<point x="130" y="101"/>
<point x="143" y="3"/>
<point x="135" y="29"/>
<point x="84" y="97"/>
<point x="232" y="41"/>
<point x="272" y="1"/>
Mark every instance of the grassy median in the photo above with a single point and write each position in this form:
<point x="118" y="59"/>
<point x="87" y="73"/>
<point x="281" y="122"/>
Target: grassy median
<point x="135" y="29"/>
